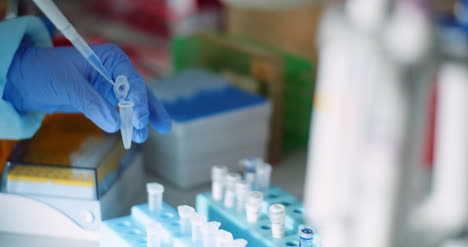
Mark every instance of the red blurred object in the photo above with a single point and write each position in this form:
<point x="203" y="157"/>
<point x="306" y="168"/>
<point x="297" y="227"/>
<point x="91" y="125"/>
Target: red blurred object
<point x="430" y="131"/>
<point x="60" y="40"/>
<point x="150" y="61"/>
<point x="161" y="17"/>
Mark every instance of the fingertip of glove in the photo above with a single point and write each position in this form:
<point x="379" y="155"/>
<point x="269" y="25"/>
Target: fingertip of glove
<point x="164" y="126"/>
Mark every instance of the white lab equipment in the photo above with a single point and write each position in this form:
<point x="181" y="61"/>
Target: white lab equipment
<point x="198" y="220"/>
<point x="230" y="194"/>
<point x="366" y="135"/>
<point x="254" y="206"/>
<point x="155" y="196"/>
<point x="242" y="189"/>
<point x="262" y="176"/>
<point x="223" y="238"/>
<point x="185" y="215"/>
<point x="218" y="178"/>
<point x="121" y="87"/>
<point x="209" y="231"/>
<point x="153" y="234"/>
<point x="277" y="214"/>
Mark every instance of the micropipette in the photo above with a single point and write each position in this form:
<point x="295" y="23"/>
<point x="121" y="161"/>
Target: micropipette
<point x="121" y="86"/>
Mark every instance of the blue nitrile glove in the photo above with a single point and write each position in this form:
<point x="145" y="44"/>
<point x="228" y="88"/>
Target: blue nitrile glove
<point x="61" y="80"/>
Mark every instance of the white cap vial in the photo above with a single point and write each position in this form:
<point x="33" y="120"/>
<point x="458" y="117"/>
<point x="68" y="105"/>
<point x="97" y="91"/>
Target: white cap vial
<point x="218" y="177"/>
<point x="242" y="189"/>
<point x="230" y="194"/>
<point x="277" y="214"/>
<point x="249" y="164"/>
<point x="262" y="176"/>
<point x="155" y="196"/>
<point x="208" y="232"/>
<point x="185" y="215"/>
<point x="238" y="243"/>
<point x="306" y="236"/>
<point x="153" y="235"/>
<point x="198" y="220"/>
<point x="254" y="206"/>
<point x="223" y="238"/>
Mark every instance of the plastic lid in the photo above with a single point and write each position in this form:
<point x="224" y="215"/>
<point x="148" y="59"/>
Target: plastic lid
<point x="250" y="163"/>
<point x="153" y="228"/>
<point x="255" y="199"/>
<point x="239" y="243"/>
<point x="218" y="171"/>
<point x="306" y="232"/>
<point x="185" y="211"/>
<point x="224" y="236"/>
<point x="198" y="219"/>
<point x="210" y="226"/>
<point x="277" y="213"/>
<point x="232" y="178"/>
<point x="154" y="188"/>
<point x="242" y="186"/>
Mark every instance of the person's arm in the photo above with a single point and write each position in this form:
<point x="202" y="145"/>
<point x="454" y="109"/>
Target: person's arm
<point x="23" y="31"/>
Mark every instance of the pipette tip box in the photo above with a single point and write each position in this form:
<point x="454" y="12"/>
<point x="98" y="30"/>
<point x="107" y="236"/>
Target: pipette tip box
<point x="213" y="123"/>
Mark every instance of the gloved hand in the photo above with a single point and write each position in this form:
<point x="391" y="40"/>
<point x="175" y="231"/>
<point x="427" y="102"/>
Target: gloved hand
<point x="61" y="80"/>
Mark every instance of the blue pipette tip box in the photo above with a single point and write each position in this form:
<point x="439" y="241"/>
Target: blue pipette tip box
<point x="257" y="234"/>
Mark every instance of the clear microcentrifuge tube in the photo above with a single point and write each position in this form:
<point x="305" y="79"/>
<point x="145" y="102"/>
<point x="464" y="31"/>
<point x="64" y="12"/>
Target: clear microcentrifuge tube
<point x="242" y="189"/>
<point x="262" y="176"/>
<point x="277" y="214"/>
<point x="253" y="206"/>
<point x="218" y="177"/>
<point x="155" y="196"/>
<point x="121" y="88"/>
<point x="249" y="164"/>
<point x="223" y="238"/>
<point x="198" y="220"/>
<point x="306" y="236"/>
<point x="230" y="194"/>
<point x="126" y="127"/>
<point x="238" y="243"/>
<point x="153" y="235"/>
<point x="185" y="215"/>
<point x="208" y="231"/>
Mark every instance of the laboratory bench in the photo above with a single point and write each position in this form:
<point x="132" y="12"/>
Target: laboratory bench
<point x="289" y="175"/>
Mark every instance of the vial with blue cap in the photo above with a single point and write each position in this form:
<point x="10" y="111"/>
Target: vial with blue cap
<point x="306" y="236"/>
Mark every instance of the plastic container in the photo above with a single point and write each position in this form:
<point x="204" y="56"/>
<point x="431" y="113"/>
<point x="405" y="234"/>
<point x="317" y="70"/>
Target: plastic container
<point x="213" y="124"/>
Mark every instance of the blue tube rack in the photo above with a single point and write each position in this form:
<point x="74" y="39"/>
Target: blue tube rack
<point x="257" y="234"/>
<point x="129" y="231"/>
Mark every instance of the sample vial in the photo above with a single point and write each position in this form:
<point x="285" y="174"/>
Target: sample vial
<point x="153" y="235"/>
<point x="306" y="236"/>
<point x="230" y="194"/>
<point x="249" y="165"/>
<point x="198" y="220"/>
<point x="126" y="126"/>
<point x="208" y="232"/>
<point x="254" y="206"/>
<point x="223" y="238"/>
<point x="238" y="243"/>
<point x="155" y="196"/>
<point x="277" y="214"/>
<point x="185" y="216"/>
<point x="262" y="176"/>
<point x="242" y="189"/>
<point x="218" y="178"/>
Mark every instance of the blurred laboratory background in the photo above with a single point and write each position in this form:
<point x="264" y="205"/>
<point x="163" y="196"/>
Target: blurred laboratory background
<point x="349" y="117"/>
